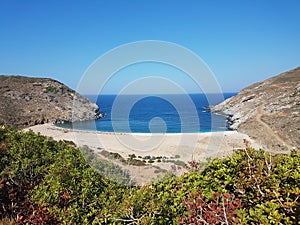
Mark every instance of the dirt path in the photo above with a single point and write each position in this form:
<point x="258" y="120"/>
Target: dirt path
<point x="269" y="130"/>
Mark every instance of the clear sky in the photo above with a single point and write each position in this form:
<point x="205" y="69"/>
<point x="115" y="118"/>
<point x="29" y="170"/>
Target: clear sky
<point x="241" y="41"/>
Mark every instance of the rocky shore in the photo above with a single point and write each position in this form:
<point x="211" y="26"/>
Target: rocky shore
<point x="268" y="111"/>
<point x="29" y="101"/>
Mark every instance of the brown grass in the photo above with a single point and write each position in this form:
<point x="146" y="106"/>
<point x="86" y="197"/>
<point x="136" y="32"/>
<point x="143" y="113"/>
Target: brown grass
<point x="7" y="221"/>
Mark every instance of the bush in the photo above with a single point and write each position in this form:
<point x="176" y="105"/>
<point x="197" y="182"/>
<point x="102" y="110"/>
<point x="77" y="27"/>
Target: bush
<point x="51" y="89"/>
<point x="221" y="209"/>
<point x="47" y="182"/>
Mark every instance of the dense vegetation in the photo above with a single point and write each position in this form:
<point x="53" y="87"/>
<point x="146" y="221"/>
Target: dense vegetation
<point x="47" y="182"/>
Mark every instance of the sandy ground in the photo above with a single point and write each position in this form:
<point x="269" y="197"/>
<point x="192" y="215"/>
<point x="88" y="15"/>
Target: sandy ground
<point x="184" y="146"/>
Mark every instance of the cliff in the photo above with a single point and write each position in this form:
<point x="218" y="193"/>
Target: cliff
<point x="268" y="111"/>
<point x="29" y="101"/>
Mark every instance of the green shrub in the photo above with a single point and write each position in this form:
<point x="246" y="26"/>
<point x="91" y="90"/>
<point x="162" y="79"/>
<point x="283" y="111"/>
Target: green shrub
<point x="53" y="183"/>
<point x="50" y="89"/>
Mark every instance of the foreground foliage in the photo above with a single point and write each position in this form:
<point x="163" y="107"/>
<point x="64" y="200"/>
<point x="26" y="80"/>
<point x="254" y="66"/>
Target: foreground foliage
<point x="47" y="182"/>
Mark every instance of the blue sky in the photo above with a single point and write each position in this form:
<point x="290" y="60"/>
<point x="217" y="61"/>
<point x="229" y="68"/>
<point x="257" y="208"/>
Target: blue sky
<point x="242" y="42"/>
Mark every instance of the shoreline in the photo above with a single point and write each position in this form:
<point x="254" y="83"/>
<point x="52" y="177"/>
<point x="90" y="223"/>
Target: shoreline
<point x="132" y="133"/>
<point x="234" y="139"/>
<point x="177" y="147"/>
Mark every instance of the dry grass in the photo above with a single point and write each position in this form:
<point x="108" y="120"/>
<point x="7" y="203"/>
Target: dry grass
<point x="7" y="221"/>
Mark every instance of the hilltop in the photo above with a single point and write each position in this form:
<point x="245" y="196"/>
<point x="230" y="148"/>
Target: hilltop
<point x="29" y="101"/>
<point x="268" y="111"/>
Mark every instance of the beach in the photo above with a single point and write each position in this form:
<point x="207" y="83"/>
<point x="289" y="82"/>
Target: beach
<point x="182" y="147"/>
<point x="189" y="146"/>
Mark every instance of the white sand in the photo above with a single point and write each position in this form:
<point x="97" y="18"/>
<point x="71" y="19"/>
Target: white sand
<point x="182" y="146"/>
<point x="188" y="146"/>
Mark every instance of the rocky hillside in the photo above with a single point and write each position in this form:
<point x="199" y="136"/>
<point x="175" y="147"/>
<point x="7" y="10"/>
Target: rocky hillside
<point x="28" y="101"/>
<point x="268" y="111"/>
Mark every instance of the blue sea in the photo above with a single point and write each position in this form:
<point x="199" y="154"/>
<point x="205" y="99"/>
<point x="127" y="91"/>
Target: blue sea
<point x="156" y="114"/>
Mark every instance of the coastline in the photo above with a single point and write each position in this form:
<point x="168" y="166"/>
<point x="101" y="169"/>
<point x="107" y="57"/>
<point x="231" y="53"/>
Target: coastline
<point x="204" y="144"/>
<point x="177" y="147"/>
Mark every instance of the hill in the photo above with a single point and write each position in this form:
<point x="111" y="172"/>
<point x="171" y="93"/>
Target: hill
<point x="268" y="111"/>
<point x="47" y="182"/>
<point x="29" y="101"/>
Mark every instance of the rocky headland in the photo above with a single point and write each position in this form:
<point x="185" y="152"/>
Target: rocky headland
<point x="30" y="101"/>
<point x="268" y="111"/>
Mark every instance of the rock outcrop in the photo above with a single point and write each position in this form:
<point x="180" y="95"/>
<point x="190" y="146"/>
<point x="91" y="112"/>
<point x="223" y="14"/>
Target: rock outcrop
<point x="268" y="111"/>
<point x="28" y="101"/>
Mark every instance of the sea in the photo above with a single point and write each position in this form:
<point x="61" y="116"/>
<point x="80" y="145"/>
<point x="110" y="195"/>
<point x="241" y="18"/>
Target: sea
<point x="172" y="113"/>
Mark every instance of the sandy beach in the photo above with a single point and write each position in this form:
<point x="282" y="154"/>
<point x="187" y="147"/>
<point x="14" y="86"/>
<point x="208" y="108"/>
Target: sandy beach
<point x="188" y="146"/>
<point x="180" y="146"/>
